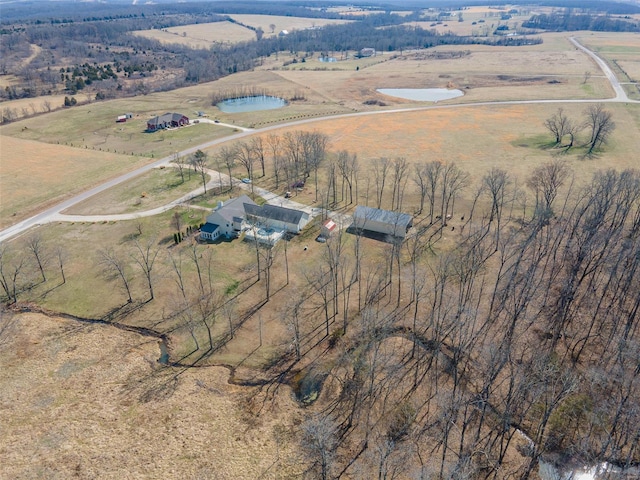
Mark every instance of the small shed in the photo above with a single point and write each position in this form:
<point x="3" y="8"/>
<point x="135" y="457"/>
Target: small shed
<point x="327" y="228"/>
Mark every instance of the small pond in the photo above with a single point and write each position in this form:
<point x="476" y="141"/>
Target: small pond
<point x="422" y="94"/>
<point x="251" y="104"/>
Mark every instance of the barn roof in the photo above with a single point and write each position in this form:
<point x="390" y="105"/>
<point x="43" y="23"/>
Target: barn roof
<point x="398" y="219"/>
<point x="273" y="212"/>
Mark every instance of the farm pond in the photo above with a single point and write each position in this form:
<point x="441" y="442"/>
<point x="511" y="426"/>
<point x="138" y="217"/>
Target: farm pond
<point x="251" y="104"/>
<point x="422" y="94"/>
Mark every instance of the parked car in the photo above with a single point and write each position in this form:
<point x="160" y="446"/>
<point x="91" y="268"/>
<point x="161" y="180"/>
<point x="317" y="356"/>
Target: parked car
<point x="246" y="180"/>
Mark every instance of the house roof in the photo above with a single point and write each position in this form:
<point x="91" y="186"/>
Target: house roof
<point x="383" y="216"/>
<point x="166" y="118"/>
<point x="234" y="208"/>
<point x="273" y="212"/>
<point x="209" y="228"/>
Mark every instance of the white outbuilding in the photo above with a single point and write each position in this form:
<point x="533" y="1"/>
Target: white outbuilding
<point x="396" y="224"/>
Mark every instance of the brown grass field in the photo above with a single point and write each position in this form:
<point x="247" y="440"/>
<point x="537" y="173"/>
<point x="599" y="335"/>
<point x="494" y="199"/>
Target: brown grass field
<point x="94" y="403"/>
<point x="35" y="174"/>
<point x="201" y="35"/>
<point x="622" y="53"/>
<point x="284" y="23"/>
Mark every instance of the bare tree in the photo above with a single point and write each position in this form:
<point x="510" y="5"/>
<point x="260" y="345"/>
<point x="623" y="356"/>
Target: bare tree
<point x="177" y="161"/>
<point x="259" y="147"/>
<point x="348" y="166"/>
<point x="380" y="171"/>
<point x="560" y="125"/>
<point x="62" y="256"/>
<point x="199" y="162"/>
<point x="9" y="273"/>
<point x="320" y="440"/>
<point x="600" y="123"/>
<point x="453" y="181"/>
<point x="545" y="181"/>
<point x="399" y="182"/>
<point x="227" y="157"/>
<point x="116" y="266"/>
<point x="145" y="258"/>
<point x="315" y="145"/>
<point x="427" y="178"/>
<point x="35" y="246"/>
<point x="275" y="146"/>
<point x="245" y="156"/>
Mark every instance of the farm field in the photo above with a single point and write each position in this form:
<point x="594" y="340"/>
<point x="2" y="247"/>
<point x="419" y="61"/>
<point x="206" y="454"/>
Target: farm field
<point x="622" y="53"/>
<point x="201" y="35"/>
<point x="283" y="22"/>
<point x="42" y="174"/>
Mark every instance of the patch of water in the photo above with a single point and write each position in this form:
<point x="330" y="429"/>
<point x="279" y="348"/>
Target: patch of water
<point x="164" y="353"/>
<point x="422" y="94"/>
<point x="251" y="104"/>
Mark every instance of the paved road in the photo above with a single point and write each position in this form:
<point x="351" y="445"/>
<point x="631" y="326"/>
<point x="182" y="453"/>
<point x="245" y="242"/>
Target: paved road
<point x="621" y="95"/>
<point x="55" y="213"/>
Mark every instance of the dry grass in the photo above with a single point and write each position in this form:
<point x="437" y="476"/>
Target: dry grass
<point x="284" y="23"/>
<point x="151" y="190"/>
<point x="91" y="401"/>
<point x="508" y="137"/>
<point x="622" y="53"/>
<point x="201" y="35"/>
<point x="36" y="174"/>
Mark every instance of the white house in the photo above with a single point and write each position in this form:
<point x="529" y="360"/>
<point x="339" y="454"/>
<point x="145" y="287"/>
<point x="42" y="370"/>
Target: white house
<point x="226" y="219"/>
<point x="396" y="224"/>
<point x="277" y="218"/>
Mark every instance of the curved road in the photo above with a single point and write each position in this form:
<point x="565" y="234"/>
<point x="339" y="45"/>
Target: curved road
<point x="55" y="213"/>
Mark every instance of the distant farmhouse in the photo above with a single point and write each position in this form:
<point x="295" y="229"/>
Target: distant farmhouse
<point x="167" y="120"/>
<point x="367" y="52"/>
<point x="384" y="222"/>
<point x="266" y="223"/>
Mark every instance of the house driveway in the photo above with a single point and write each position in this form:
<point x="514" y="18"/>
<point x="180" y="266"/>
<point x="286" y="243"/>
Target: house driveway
<point x="216" y="180"/>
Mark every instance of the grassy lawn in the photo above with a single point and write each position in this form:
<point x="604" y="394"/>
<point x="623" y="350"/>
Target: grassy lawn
<point x="150" y="190"/>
